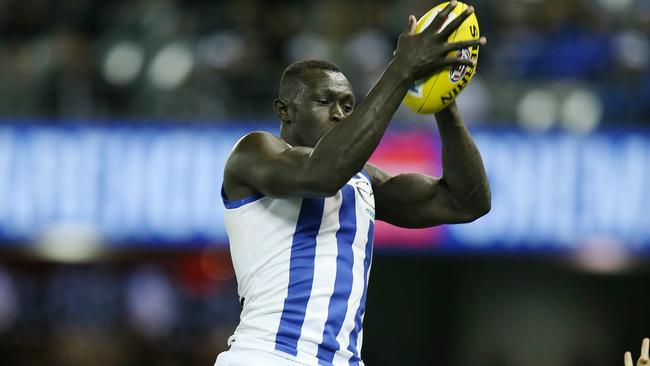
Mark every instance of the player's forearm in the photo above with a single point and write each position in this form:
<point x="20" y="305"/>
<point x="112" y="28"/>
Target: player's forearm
<point x="344" y="150"/>
<point x="463" y="169"/>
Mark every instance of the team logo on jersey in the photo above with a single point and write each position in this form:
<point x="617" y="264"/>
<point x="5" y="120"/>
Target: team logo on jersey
<point x="365" y="191"/>
<point x="456" y="73"/>
<point x="367" y="196"/>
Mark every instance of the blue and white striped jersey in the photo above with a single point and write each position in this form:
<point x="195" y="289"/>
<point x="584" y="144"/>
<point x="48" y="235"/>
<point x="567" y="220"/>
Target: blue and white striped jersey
<point x="302" y="267"/>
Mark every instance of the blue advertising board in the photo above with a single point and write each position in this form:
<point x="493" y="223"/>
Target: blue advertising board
<point x="560" y="191"/>
<point x="154" y="184"/>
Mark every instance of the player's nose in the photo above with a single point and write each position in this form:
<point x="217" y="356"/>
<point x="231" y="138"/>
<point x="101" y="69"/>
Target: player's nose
<point x="336" y="114"/>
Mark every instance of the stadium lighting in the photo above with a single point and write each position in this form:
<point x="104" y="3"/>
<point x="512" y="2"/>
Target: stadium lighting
<point x="171" y="66"/>
<point x="537" y="110"/>
<point x="123" y="63"/>
<point x="581" y="111"/>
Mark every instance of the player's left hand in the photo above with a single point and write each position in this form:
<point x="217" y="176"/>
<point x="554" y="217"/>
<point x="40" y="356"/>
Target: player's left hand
<point x="420" y="54"/>
<point x="644" y="359"/>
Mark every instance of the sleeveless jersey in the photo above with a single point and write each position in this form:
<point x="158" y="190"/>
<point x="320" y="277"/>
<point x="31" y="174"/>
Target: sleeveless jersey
<point x="302" y="267"/>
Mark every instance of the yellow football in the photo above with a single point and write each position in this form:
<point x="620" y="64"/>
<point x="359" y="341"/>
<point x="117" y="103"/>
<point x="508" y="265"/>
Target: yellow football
<point x="440" y="89"/>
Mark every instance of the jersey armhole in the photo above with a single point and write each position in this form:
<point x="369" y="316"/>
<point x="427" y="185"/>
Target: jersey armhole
<point x="230" y="204"/>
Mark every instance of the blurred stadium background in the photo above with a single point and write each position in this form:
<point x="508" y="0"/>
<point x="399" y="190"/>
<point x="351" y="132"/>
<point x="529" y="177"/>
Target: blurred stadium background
<point x="116" y="117"/>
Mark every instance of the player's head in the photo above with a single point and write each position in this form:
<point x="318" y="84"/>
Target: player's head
<point x="313" y="96"/>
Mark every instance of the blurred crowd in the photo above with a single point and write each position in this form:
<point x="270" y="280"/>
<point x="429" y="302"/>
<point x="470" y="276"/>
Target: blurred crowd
<point x="130" y="312"/>
<point x="549" y="63"/>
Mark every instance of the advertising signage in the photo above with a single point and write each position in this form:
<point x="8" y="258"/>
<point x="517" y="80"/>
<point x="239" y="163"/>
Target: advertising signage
<point x="159" y="185"/>
<point x="562" y="191"/>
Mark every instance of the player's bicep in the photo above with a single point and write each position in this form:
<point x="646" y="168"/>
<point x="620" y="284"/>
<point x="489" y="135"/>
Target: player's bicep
<point x="415" y="200"/>
<point x="406" y="205"/>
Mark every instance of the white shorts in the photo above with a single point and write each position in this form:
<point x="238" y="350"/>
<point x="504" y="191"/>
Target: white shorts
<point x="238" y="356"/>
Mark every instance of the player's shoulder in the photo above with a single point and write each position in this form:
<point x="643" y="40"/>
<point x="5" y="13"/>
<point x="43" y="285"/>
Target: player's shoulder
<point x="251" y="148"/>
<point x="259" y="140"/>
<point x="244" y="156"/>
<point x="255" y="145"/>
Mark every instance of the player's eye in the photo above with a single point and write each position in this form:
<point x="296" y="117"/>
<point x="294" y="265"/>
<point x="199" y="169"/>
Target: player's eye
<point x="323" y="101"/>
<point x="347" y="108"/>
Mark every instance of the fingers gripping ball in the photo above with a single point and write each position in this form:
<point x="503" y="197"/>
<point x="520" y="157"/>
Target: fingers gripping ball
<point x="438" y="91"/>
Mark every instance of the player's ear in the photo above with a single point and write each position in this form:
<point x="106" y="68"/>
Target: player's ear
<point x="281" y="110"/>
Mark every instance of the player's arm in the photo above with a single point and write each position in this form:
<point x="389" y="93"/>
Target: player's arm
<point x="345" y="149"/>
<point x="273" y="168"/>
<point x="270" y="166"/>
<point x="462" y="194"/>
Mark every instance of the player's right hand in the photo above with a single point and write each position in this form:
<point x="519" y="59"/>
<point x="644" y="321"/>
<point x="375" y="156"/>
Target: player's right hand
<point x="644" y="359"/>
<point x="421" y="54"/>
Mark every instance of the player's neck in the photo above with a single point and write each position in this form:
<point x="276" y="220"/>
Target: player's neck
<point x="284" y="135"/>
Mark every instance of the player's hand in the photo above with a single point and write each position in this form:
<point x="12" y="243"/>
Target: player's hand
<point x="419" y="55"/>
<point x="644" y="359"/>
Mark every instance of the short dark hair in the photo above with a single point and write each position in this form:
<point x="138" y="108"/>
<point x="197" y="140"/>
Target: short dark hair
<point x="296" y="69"/>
